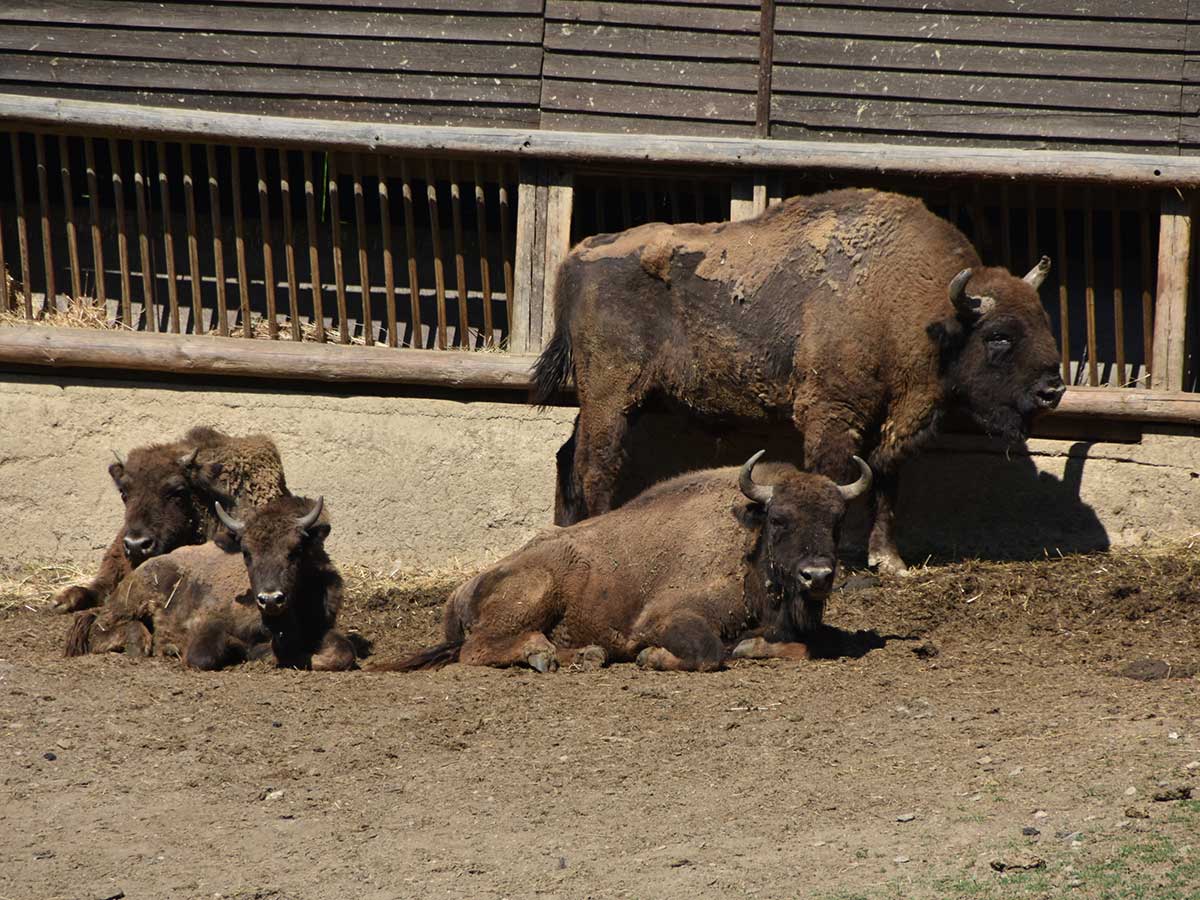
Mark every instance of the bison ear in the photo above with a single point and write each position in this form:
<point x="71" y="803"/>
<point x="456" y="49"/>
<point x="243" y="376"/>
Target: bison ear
<point x="227" y="540"/>
<point x="206" y="476"/>
<point x="948" y="335"/>
<point x="317" y="532"/>
<point x="116" y="471"/>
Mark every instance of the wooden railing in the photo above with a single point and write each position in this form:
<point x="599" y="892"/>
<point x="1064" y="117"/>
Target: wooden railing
<point x="430" y="275"/>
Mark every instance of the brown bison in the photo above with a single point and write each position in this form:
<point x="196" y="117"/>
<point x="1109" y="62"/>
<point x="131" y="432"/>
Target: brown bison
<point x="169" y="491"/>
<point x="859" y="316"/>
<point x="674" y="578"/>
<point x="212" y="607"/>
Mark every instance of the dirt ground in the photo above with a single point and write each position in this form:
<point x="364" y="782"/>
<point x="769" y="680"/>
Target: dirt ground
<point x="998" y="726"/>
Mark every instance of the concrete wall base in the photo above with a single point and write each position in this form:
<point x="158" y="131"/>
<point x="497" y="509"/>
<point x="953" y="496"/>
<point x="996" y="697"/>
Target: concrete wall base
<point x="440" y="480"/>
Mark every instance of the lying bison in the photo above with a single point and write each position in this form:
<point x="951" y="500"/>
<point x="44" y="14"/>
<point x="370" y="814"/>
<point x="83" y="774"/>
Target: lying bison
<point x="213" y="607"/>
<point x="674" y="578"/>
<point x="859" y="316"/>
<point x="169" y="491"/>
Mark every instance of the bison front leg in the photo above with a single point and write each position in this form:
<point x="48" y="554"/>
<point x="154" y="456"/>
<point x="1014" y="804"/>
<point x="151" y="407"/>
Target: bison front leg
<point x="336" y="653"/>
<point x="882" y="553"/>
<point x="683" y="643"/>
<point x="114" y="567"/>
<point x="761" y="648"/>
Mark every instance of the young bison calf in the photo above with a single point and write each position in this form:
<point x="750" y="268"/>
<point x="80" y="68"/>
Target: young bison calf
<point x="212" y="607"/>
<point x="695" y="566"/>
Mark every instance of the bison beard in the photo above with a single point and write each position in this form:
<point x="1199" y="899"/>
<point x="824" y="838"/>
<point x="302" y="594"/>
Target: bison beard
<point x="858" y="316"/>
<point x="675" y="578"/>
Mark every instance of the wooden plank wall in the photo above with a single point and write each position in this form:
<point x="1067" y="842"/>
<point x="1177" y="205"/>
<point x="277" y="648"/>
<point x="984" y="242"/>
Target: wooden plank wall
<point x="439" y="62"/>
<point x="1059" y="73"/>
<point x="667" y="68"/>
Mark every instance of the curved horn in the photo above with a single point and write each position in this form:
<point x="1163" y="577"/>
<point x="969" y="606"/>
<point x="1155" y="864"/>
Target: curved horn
<point x="120" y="461"/>
<point x="229" y="521"/>
<point x="1038" y="273"/>
<point x="759" y="493"/>
<point x="958" y="285"/>
<point x="189" y="459"/>
<point x="860" y="487"/>
<point x="309" y="519"/>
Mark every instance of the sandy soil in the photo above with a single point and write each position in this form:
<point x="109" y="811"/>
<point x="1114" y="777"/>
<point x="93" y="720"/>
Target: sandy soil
<point x="998" y="704"/>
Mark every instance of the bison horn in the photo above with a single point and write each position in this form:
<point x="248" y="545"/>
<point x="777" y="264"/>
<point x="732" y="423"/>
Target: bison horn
<point x="229" y="521"/>
<point x="189" y="458"/>
<point x="966" y="304"/>
<point x="1038" y="273"/>
<point x="860" y="487"/>
<point x="759" y="493"/>
<point x="120" y="461"/>
<point x="309" y="519"/>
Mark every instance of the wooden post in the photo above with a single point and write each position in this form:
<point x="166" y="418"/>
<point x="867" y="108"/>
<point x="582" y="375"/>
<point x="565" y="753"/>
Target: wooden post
<point x="529" y="271"/>
<point x="560" y="201"/>
<point x="64" y="165"/>
<point x="743" y="197"/>
<point x="1170" y="308"/>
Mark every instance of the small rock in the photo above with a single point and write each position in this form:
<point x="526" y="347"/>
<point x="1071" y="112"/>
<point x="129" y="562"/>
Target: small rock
<point x="50" y="757"/>
<point x="271" y="794"/>
<point x="1040" y="814"/>
<point x="1068" y="835"/>
<point x="900" y="859"/>
<point x="926" y="650"/>
<point x="1173" y="736"/>
<point x="1021" y="862"/>
<point x="1193" y="765"/>
<point x="859" y="582"/>
<point x="1030" y="831"/>
<point x="1133" y="812"/>
<point x="276" y="724"/>
<point x="984" y="760"/>
<point x="906" y="817"/>
<point x="43" y="854"/>
<point x="1074" y="883"/>
<point x="1179" y="792"/>
<point x="1130" y="791"/>
<point x="680" y="863"/>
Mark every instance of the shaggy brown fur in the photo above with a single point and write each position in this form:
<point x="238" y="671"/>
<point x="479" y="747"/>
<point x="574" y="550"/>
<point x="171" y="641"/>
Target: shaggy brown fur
<point x="673" y="579"/>
<point x="169" y="500"/>
<point x="213" y="607"/>
<point x="832" y="312"/>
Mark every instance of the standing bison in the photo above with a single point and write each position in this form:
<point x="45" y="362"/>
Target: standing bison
<point x="674" y="578"/>
<point x="859" y="316"/>
<point x="212" y="606"/>
<point x="169" y="491"/>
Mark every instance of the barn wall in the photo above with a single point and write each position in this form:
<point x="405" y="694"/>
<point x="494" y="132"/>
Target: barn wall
<point x="428" y="481"/>
<point x="441" y="62"/>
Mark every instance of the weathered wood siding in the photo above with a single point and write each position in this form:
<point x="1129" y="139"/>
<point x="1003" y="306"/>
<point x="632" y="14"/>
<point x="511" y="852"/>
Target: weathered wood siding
<point x="1035" y="72"/>
<point x="422" y="61"/>
<point x="651" y="67"/>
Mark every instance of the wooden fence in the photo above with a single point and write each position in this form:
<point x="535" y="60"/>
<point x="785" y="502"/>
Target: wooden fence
<point x="431" y="239"/>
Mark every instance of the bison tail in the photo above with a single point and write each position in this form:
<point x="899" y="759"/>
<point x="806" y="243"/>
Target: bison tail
<point x="79" y="637"/>
<point x="427" y="660"/>
<point x="553" y="367"/>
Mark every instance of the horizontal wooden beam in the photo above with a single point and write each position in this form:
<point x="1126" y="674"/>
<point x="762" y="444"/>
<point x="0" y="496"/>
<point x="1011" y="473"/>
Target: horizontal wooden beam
<point x="111" y="119"/>
<point x="70" y="348"/>
<point x="206" y="355"/>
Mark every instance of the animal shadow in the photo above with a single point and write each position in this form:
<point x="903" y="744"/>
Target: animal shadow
<point x="831" y="642"/>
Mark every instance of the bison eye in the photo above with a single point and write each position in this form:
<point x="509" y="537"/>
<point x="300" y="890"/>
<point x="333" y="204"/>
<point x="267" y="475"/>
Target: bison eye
<point x="999" y="341"/>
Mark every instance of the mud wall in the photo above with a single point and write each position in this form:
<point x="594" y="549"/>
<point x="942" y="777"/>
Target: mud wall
<point x="431" y="480"/>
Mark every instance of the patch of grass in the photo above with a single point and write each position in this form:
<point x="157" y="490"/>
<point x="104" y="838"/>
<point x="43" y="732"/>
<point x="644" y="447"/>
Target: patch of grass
<point x="32" y="585"/>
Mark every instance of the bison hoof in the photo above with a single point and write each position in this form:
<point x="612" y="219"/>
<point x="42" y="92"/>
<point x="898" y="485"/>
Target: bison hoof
<point x="751" y="648"/>
<point x="74" y="598"/>
<point x="543" y="661"/>
<point x="888" y="564"/>
<point x="589" y="659"/>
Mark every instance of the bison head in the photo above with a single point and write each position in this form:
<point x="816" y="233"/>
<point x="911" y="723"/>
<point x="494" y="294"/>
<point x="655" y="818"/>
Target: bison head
<point x="277" y="542"/>
<point x="802" y="523"/>
<point x="165" y="492"/>
<point x="999" y="359"/>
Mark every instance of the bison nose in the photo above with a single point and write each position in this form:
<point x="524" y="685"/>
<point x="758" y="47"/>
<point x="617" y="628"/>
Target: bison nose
<point x="138" y="546"/>
<point x="270" y="601"/>
<point x="817" y="578"/>
<point x="1050" y="391"/>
